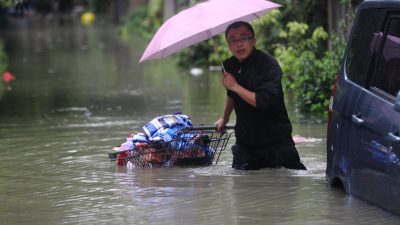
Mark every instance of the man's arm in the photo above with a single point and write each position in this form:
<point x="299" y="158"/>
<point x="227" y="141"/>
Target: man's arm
<point x="225" y="115"/>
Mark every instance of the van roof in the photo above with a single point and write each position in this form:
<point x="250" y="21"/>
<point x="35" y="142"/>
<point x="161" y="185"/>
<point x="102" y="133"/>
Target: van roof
<point x="370" y="4"/>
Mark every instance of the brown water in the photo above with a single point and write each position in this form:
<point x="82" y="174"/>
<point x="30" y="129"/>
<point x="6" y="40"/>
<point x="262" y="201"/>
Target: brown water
<point x="79" y="92"/>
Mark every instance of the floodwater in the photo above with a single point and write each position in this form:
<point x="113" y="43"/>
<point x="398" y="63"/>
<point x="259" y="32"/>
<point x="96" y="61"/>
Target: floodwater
<point x="79" y="91"/>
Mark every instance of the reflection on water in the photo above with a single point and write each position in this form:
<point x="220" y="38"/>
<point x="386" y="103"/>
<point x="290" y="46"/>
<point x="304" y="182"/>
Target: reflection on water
<point x="79" y="92"/>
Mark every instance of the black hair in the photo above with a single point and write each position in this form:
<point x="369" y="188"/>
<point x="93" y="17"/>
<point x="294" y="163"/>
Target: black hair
<point x="238" y="24"/>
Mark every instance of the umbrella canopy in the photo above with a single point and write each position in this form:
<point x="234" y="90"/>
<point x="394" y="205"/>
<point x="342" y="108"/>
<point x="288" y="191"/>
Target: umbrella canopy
<point x="201" y="22"/>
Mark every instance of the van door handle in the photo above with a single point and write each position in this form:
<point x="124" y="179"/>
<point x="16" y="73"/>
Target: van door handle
<point x="395" y="137"/>
<point x="357" y="119"/>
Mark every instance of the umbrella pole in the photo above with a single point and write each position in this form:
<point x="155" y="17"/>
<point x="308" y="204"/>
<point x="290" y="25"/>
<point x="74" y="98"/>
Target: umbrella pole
<point x="216" y="50"/>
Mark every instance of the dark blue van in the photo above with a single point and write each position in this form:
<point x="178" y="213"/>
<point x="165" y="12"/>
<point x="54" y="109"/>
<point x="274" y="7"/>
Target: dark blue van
<point x="363" y="137"/>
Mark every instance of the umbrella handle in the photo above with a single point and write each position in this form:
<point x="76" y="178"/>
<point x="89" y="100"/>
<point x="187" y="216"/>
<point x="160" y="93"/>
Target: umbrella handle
<point x="216" y="50"/>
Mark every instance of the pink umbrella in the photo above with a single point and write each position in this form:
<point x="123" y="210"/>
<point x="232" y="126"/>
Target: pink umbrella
<point x="201" y="22"/>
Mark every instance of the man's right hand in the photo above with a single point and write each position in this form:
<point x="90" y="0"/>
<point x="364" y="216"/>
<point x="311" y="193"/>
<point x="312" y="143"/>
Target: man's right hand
<point x="229" y="81"/>
<point x="220" y="124"/>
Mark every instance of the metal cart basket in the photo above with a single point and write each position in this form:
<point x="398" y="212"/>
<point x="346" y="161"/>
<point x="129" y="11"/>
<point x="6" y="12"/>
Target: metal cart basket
<point x="192" y="146"/>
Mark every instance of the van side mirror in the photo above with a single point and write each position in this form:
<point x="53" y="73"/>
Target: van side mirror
<point x="397" y="102"/>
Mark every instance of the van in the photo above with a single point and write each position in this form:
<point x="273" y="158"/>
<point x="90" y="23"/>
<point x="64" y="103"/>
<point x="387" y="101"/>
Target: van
<point x="363" y="134"/>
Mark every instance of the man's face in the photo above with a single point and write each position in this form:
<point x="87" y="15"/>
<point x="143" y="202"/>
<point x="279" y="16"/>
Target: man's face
<point x="240" y="42"/>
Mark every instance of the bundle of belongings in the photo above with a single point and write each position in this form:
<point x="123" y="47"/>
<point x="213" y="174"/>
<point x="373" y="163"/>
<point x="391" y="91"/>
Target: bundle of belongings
<point x="166" y="141"/>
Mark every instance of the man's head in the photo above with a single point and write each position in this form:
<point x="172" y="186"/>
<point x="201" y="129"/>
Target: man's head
<point x="241" y="40"/>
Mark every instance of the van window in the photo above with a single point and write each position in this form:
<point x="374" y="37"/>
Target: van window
<point x="387" y="77"/>
<point x="362" y="46"/>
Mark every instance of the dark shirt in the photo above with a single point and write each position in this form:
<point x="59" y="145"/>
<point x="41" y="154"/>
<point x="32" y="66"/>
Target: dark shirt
<point x="267" y="124"/>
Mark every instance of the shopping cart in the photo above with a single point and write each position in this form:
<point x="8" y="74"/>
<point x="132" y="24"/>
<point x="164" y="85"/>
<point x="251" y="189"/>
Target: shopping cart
<point x="192" y="146"/>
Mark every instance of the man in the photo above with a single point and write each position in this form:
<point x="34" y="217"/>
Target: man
<point x="253" y="82"/>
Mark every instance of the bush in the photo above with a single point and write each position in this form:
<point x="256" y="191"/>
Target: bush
<point x="307" y="72"/>
<point x="142" y="22"/>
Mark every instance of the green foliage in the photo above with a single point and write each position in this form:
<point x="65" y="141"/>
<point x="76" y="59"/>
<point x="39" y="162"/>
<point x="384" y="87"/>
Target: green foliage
<point x="310" y="12"/>
<point x="308" y="72"/>
<point x="6" y="3"/>
<point x="142" y="22"/>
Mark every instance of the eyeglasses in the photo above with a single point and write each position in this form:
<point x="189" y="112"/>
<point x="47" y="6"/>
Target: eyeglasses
<point x="239" y="40"/>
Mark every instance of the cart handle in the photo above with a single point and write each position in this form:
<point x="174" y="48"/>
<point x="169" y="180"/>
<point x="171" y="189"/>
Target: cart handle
<point x="201" y="127"/>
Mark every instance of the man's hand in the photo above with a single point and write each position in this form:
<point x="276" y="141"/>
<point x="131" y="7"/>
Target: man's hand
<point x="231" y="84"/>
<point x="220" y="124"/>
<point x="229" y="81"/>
